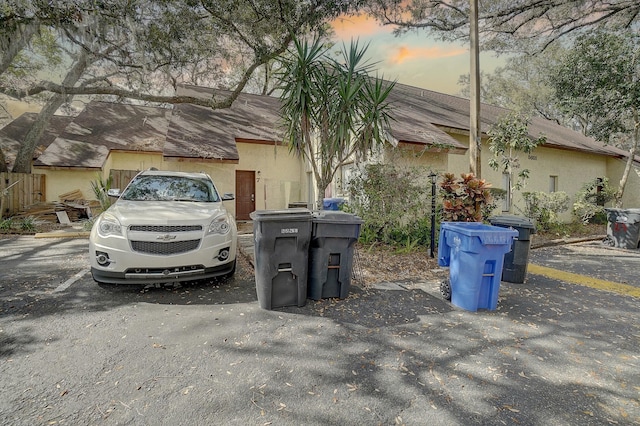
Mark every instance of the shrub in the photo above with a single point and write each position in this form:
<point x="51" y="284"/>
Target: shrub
<point x="100" y="188"/>
<point x="393" y="202"/>
<point x="544" y="208"/>
<point x="464" y="199"/>
<point x="7" y="224"/>
<point x="591" y="199"/>
<point x="28" y="224"/>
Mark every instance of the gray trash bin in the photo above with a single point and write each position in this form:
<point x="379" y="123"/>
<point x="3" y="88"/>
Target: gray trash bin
<point x="514" y="269"/>
<point x="623" y="227"/>
<point x="281" y="255"/>
<point x="333" y="237"/>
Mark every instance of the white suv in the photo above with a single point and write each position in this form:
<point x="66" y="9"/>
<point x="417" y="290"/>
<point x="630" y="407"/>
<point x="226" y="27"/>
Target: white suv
<point x="165" y="227"/>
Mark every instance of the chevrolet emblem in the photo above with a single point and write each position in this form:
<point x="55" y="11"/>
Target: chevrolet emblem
<point x="166" y="237"/>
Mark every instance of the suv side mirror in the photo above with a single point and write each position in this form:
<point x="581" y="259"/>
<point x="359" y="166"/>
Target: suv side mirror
<point x="114" y="192"/>
<point x="228" y="197"/>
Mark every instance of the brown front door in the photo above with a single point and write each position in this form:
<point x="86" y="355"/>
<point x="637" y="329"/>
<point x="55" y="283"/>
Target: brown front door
<point x="245" y="194"/>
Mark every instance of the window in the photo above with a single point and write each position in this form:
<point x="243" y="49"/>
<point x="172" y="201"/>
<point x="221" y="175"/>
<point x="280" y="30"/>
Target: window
<point x="553" y="183"/>
<point x="506" y="184"/>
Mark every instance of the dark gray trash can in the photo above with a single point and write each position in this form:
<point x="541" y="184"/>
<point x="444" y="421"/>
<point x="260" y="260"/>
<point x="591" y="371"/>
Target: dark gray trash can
<point x="514" y="269"/>
<point x="281" y="255"/>
<point x="333" y="236"/>
<point x="623" y="227"/>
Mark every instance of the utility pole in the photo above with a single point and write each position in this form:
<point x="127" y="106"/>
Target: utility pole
<point x="474" y="110"/>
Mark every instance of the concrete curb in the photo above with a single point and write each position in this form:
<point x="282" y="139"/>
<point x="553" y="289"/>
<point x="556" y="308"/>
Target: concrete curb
<point x="561" y="241"/>
<point x="63" y="233"/>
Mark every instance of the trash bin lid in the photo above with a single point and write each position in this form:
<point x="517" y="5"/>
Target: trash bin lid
<point x="335" y="216"/>
<point x="487" y="234"/>
<point x="623" y="215"/>
<point x="513" y="221"/>
<point x="281" y="215"/>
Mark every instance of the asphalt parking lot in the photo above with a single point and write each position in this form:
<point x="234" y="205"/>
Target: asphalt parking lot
<point x="559" y="350"/>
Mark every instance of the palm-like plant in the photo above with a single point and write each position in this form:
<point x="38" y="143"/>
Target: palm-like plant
<point x="100" y="187"/>
<point x="333" y="110"/>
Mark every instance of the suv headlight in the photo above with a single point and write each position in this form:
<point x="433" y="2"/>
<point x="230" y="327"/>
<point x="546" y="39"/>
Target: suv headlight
<point x="220" y="225"/>
<point x="109" y="225"/>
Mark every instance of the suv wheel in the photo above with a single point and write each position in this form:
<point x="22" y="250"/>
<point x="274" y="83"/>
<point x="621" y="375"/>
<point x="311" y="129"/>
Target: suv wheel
<point x="445" y="289"/>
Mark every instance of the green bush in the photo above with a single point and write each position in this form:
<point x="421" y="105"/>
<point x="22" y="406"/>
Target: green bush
<point x="7" y="224"/>
<point x="100" y="187"/>
<point x="394" y="203"/>
<point x="28" y="224"/>
<point x="591" y="199"/>
<point x="544" y="208"/>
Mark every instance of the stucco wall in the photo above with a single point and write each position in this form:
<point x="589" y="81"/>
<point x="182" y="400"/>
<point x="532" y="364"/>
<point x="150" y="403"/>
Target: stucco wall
<point x="63" y="181"/>
<point x="631" y="197"/>
<point x="409" y="156"/>
<point x="572" y="168"/>
<point x="132" y="161"/>
<point x="280" y="176"/>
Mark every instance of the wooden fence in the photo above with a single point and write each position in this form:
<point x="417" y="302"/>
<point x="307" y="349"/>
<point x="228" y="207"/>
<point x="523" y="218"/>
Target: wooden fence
<point x="18" y="190"/>
<point x="121" y="178"/>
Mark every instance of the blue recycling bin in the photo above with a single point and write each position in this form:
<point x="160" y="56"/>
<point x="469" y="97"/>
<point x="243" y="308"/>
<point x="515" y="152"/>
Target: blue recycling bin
<point x="332" y="203"/>
<point x="474" y="253"/>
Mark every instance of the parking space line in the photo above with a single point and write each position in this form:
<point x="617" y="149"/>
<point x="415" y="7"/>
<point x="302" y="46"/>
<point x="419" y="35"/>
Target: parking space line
<point x="65" y="285"/>
<point x="570" y="277"/>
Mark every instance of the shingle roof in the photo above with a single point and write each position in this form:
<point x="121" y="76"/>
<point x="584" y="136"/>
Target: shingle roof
<point x="105" y="126"/>
<point x="452" y="112"/>
<point x="12" y="134"/>
<point x="200" y="132"/>
<point x="188" y="131"/>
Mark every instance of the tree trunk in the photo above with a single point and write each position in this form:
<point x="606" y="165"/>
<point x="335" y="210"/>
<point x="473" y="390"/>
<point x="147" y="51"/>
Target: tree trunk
<point x="27" y="148"/>
<point x="3" y="163"/>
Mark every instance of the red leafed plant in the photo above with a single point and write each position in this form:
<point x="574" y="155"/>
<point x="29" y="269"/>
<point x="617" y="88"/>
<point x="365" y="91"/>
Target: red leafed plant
<point x="463" y="198"/>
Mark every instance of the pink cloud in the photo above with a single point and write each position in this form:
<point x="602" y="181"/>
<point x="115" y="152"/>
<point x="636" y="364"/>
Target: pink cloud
<point x="404" y="53"/>
<point x="353" y="27"/>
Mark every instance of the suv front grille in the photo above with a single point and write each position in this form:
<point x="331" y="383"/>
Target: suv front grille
<point x="174" y="247"/>
<point x="165" y="228"/>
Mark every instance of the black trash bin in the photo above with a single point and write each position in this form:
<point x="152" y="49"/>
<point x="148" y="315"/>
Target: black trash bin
<point x="281" y="255"/>
<point x="333" y="237"/>
<point x="623" y="227"/>
<point x="514" y="269"/>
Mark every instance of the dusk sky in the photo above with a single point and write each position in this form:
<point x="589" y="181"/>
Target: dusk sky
<point x="415" y="58"/>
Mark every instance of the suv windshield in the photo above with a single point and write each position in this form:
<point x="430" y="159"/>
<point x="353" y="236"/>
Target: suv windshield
<point x="170" y="188"/>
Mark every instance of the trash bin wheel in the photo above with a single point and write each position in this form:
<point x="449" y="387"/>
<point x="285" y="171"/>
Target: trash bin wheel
<point x="445" y="289"/>
<point x="608" y="241"/>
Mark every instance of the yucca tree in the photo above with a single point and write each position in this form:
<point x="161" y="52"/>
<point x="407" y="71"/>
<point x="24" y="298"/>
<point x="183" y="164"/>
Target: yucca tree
<point x="334" y="111"/>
